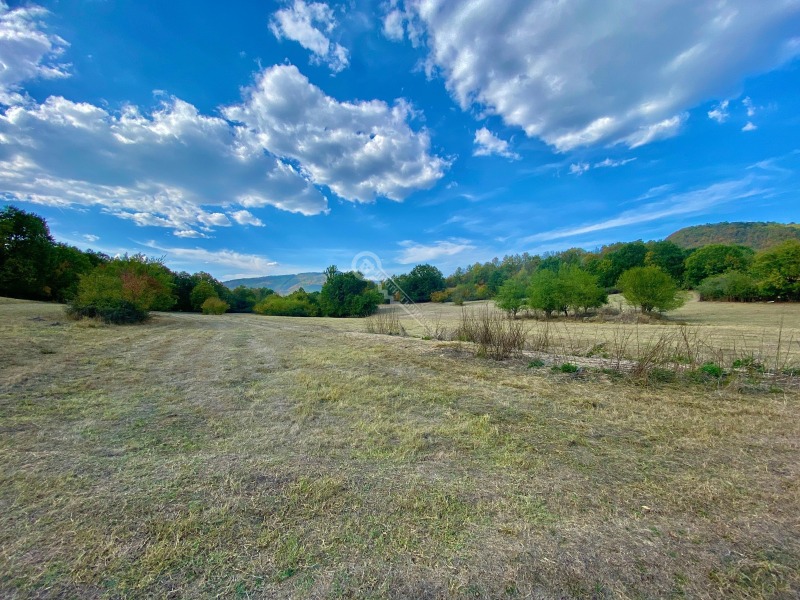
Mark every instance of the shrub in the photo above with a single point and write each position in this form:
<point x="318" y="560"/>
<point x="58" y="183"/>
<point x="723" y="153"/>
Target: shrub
<point x="349" y="295"/>
<point x="124" y="290"/>
<point x="214" y="306"/>
<point x="535" y="364"/>
<point x="117" y="312"/>
<point x="288" y="306"/>
<point x="385" y="322"/>
<point x="568" y="368"/>
<point x="733" y="286"/>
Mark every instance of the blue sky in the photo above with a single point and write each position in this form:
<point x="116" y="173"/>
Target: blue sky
<point x="255" y="138"/>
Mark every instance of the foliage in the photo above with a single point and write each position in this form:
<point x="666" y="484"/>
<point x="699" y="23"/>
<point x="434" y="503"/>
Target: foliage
<point x="124" y="290"/>
<point x="715" y="260"/>
<point x="616" y="259"/>
<point x="67" y="264"/>
<point x="243" y="299"/>
<point x="759" y="236"/>
<point x="494" y="336"/>
<point x="512" y="295"/>
<point x="546" y="293"/>
<point x="778" y="271"/>
<point x="733" y="286"/>
<point x="25" y="254"/>
<point x="650" y="288"/>
<point x="349" y="295"/>
<point x="667" y="256"/>
<point x="201" y="292"/>
<point x="296" y="304"/>
<point x="580" y="289"/>
<point x="214" y="306"/>
<point x="421" y="282"/>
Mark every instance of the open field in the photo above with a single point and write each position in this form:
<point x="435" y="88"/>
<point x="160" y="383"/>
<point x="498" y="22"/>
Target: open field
<point x="267" y="457"/>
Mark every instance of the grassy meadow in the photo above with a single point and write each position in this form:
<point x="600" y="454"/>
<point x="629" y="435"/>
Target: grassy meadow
<point x="242" y="456"/>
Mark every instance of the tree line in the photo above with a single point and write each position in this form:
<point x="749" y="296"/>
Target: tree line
<point x="124" y="289"/>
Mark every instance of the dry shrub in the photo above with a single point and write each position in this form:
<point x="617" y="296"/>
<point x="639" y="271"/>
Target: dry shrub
<point x="493" y="334"/>
<point x="385" y="322"/>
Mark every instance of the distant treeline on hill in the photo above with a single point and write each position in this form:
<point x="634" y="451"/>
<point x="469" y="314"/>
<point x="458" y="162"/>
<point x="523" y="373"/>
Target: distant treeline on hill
<point x="34" y="266"/>
<point x="758" y="236"/>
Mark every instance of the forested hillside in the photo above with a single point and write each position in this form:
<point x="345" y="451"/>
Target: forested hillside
<point x="758" y="236"/>
<point x="282" y="284"/>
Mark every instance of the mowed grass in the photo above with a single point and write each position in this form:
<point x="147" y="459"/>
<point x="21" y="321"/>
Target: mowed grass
<point x="256" y="457"/>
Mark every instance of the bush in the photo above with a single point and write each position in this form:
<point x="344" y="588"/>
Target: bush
<point x="288" y="306"/>
<point x="733" y="286"/>
<point x="214" y="306"/>
<point x="349" y="295"/>
<point x="117" y="312"/>
<point x="124" y="290"/>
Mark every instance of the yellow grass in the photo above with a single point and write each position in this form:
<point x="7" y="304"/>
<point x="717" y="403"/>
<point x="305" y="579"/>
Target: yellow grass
<point x="249" y="456"/>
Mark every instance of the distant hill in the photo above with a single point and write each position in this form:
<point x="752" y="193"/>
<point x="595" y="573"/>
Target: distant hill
<point x="282" y="284"/>
<point x="755" y="235"/>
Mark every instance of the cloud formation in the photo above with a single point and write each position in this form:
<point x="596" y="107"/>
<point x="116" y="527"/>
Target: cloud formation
<point x="487" y="143"/>
<point x="564" y="72"/>
<point x="309" y="24"/>
<point x="27" y="51"/>
<point x="238" y="264"/>
<point x="422" y="253"/>
<point x="360" y="150"/>
<point x="171" y="168"/>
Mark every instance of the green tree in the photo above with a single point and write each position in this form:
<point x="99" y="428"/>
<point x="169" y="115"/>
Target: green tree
<point x="668" y="257"/>
<point x="201" y="292"/>
<point x="617" y="259"/>
<point x="67" y="264"/>
<point x="349" y="295"/>
<point x="214" y="306"/>
<point x="715" y="259"/>
<point x="421" y="282"/>
<point x="512" y="295"/>
<point x="777" y="271"/>
<point x="580" y="289"/>
<point x="546" y="293"/>
<point x="650" y="288"/>
<point x="26" y="249"/>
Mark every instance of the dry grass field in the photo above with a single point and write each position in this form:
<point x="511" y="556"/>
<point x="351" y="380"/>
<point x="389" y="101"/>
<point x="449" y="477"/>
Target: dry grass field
<point x="244" y="456"/>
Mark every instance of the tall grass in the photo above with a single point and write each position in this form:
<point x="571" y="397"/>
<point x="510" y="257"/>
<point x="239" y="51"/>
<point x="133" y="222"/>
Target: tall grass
<point x="493" y="334"/>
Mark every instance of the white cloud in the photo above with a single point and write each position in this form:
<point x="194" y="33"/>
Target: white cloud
<point x="90" y="237"/>
<point x="579" y="168"/>
<point x="421" y="253"/>
<point x="578" y="73"/>
<point x="748" y="104"/>
<point x="237" y="263"/>
<point x="699" y="201"/>
<point x="487" y="143"/>
<point x="172" y="168"/>
<point x="309" y="24"/>
<point x="360" y="150"/>
<point x="26" y="51"/>
<point x="245" y="217"/>
<point x="720" y="112"/>
<point x="609" y="163"/>
<point x="749" y="126"/>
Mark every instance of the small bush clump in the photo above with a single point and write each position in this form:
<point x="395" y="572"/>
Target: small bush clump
<point x="214" y="306"/>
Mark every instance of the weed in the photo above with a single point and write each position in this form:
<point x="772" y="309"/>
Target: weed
<point x="536" y="363"/>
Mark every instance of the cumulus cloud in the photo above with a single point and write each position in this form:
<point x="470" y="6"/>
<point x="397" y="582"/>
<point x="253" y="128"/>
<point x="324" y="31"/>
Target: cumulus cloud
<point x="310" y="24"/>
<point x="27" y="51"/>
<point x="565" y="72"/>
<point x="360" y="150"/>
<point x="421" y="253"/>
<point x="487" y="143"/>
<point x="750" y="126"/>
<point x="748" y="105"/>
<point x="171" y="168"/>
<point x="245" y="217"/>
<point x="720" y="112"/>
